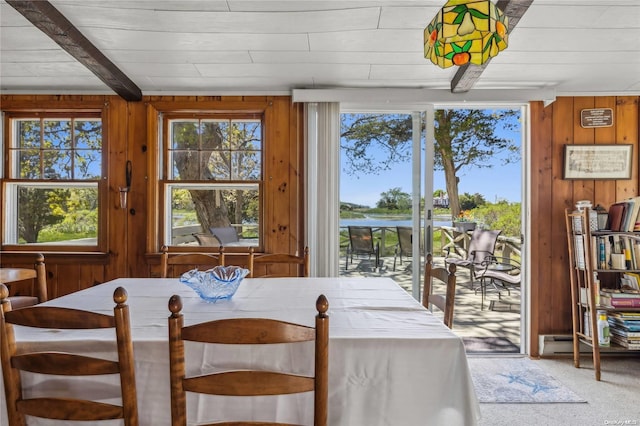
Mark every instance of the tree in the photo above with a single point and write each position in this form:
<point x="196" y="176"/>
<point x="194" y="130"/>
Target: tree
<point x="226" y="153"/>
<point x="360" y="133"/>
<point x="464" y="138"/>
<point x="394" y="199"/>
<point x="470" y="202"/>
<point x="467" y="137"/>
<point x="46" y="152"/>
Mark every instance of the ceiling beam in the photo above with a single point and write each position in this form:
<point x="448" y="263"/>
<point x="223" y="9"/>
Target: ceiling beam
<point x="49" y="20"/>
<point x="468" y="74"/>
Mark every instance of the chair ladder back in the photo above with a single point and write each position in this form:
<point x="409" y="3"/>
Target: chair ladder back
<point x="247" y="382"/>
<point x="11" y="377"/>
<point x="67" y="364"/>
<point x="41" y="280"/>
<point x="274" y="259"/>
<point x="446" y="302"/>
<point x="189" y="260"/>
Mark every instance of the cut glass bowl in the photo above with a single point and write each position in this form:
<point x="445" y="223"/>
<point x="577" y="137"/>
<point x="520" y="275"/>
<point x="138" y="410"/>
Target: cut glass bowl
<point x="219" y="282"/>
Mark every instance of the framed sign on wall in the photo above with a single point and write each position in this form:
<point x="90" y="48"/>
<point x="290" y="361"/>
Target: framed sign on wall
<point x="597" y="161"/>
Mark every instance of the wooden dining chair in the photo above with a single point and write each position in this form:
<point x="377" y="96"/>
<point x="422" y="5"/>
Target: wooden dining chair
<point x="278" y="264"/>
<point x="73" y="408"/>
<point x="444" y="302"/>
<point x="37" y="275"/>
<point x="173" y="264"/>
<point x="248" y="383"/>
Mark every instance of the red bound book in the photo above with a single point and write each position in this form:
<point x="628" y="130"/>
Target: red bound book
<point x="619" y="302"/>
<point x="616" y="215"/>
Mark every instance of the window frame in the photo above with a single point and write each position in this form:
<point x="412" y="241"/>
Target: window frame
<point x="164" y="170"/>
<point x="9" y="118"/>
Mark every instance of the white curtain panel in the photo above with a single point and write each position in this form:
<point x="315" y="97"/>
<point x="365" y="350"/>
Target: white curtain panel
<point x="323" y="187"/>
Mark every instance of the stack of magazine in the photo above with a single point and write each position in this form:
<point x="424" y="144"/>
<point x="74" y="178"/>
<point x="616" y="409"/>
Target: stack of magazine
<point x="625" y="329"/>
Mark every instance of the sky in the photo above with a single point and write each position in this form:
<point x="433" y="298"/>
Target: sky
<point x="496" y="183"/>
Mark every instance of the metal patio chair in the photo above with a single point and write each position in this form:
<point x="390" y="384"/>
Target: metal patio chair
<point x="361" y="242"/>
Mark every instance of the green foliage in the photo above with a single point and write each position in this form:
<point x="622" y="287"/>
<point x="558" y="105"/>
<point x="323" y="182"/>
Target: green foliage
<point x="502" y="215"/>
<point x="470" y="202"/>
<point x="465" y="138"/>
<point x="362" y="134"/>
<point x="55" y="149"/>
<point x="346" y="214"/>
<point x="394" y="199"/>
<point x="351" y="206"/>
<point x="469" y="138"/>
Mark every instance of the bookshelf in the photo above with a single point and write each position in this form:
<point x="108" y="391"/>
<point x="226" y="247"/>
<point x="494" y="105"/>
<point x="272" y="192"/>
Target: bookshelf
<point x="596" y="277"/>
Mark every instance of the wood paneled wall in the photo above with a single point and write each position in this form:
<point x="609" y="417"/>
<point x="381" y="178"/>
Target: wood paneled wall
<point x="130" y="131"/>
<point x="551" y="129"/>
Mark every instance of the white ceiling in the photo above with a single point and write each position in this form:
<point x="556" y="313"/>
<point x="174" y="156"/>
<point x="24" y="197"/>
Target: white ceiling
<point x="206" y="47"/>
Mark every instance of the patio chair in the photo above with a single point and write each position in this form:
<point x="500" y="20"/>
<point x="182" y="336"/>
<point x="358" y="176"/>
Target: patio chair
<point x="205" y="239"/>
<point x="444" y="302"/>
<point x="361" y="243"/>
<point x="405" y="244"/>
<point x="225" y="235"/>
<point x="502" y="273"/>
<point x="56" y="397"/>
<point x="481" y="245"/>
<point x="258" y="380"/>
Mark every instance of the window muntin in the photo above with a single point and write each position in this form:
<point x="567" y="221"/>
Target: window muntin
<point x="213" y="178"/>
<point x="53" y="183"/>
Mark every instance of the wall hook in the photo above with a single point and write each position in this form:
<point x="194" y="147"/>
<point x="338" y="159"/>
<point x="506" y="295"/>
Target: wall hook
<point x="124" y="190"/>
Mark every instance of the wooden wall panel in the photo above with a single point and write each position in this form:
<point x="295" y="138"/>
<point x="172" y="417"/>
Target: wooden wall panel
<point x="550" y="292"/>
<point x="605" y="190"/>
<point x="541" y="184"/>
<point x="133" y="247"/>
<point x="117" y="217"/>
<point x="556" y="309"/>
<point x="131" y="135"/>
<point x="137" y="211"/>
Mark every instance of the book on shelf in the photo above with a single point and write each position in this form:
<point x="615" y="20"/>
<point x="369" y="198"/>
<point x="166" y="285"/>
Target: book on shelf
<point x="612" y="302"/>
<point x="623" y="326"/>
<point x="630" y="281"/>
<point x="628" y="319"/>
<point x="616" y="213"/>
<point x="633" y="335"/>
<point x="626" y="343"/>
<point x="624" y="216"/>
<point x="617" y="294"/>
<point x="632" y="217"/>
<point x="633" y="204"/>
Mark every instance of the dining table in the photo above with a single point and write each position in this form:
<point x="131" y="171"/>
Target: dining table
<point x="391" y="361"/>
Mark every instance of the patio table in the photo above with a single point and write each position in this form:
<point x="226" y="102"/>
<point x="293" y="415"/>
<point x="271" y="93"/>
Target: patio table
<point x="391" y="362"/>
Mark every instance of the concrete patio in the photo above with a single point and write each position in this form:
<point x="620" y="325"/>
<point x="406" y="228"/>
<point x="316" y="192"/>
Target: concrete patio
<point x="491" y="326"/>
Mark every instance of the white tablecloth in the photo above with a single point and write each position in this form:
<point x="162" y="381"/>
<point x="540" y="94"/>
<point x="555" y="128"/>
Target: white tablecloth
<point x="391" y="362"/>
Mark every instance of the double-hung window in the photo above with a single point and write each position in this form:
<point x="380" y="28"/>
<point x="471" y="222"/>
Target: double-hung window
<point x="53" y="180"/>
<point x="211" y="179"/>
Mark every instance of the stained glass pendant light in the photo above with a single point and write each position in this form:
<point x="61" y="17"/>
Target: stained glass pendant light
<point x="465" y="31"/>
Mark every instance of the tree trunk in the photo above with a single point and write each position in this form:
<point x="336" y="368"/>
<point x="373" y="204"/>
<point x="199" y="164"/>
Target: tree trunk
<point x="452" y="186"/>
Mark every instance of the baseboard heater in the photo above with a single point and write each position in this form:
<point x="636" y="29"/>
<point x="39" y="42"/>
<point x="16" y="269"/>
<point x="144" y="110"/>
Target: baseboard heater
<point x="559" y="344"/>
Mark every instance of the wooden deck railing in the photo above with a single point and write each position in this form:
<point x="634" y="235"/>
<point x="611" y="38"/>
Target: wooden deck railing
<point x="450" y="238"/>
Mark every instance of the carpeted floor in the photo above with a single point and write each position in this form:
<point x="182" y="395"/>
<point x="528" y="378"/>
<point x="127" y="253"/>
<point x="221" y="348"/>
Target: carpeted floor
<point x="516" y="380"/>
<point x="489" y="345"/>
